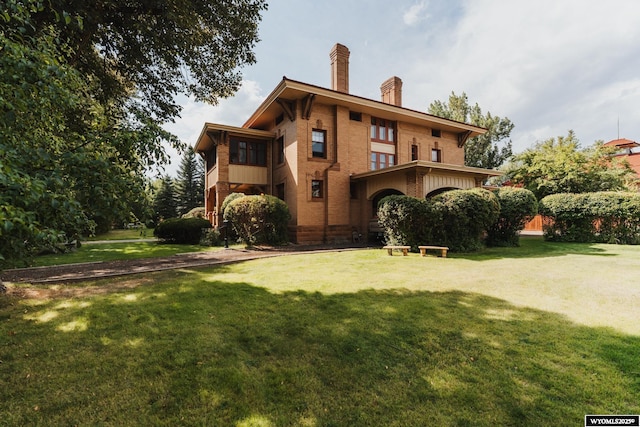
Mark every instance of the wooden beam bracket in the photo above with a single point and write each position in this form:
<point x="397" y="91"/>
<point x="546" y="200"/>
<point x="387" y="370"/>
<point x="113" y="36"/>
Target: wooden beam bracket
<point x="289" y="108"/>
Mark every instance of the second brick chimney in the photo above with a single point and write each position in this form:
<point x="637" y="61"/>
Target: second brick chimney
<point x="391" y="91"/>
<point x="340" y="68"/>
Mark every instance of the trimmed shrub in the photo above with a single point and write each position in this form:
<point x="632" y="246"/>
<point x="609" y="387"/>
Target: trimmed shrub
<point x="211" y="237"/>
<point x="456" y="219"/>
<point x="259" y="219"/>
<point x="230" y="198"/>
<point x="181" y="230"/>
<point x="407" y="220"/>
<point x="198" y="212"/>
<point x="466" y="215"/>
<point x="517" y="207"/>
<point x="606" y="217"/>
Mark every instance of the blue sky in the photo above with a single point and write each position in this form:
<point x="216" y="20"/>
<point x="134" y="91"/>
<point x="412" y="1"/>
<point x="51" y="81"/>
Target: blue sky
<point x="547" y="65"/>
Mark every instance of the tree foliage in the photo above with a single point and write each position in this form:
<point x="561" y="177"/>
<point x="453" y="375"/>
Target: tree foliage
<point x="156" y="48"/>
<point x="487" y="151"/>
<point x="517" y="207"/>
<point x="84" y="90"/>
<point x="165" y="205"/>
<point x="560" y="165"/>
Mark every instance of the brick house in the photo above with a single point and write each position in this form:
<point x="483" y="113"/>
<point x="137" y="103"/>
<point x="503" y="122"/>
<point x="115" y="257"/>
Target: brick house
<point x="628" y="150"/>
<point x="331" y="156"/>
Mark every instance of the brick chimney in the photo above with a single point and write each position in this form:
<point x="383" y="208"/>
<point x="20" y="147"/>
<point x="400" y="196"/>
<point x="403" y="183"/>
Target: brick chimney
<point x="391" y="91"/>
<point x="340" y="68"/>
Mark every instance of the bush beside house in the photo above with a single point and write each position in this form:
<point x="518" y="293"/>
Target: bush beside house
<point x="181" y="230"/>
<point x="605" y="217"/>
<point x="457" y="219"/>
<point x="259" y="219"/>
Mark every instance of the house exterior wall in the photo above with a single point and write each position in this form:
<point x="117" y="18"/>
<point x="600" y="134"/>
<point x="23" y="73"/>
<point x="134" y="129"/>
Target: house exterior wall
<point x="349" y="186"/>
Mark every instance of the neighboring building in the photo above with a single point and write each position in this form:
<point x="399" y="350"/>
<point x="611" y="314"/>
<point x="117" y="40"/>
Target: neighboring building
<point x="331" y="156"/>
<point x="628" y="150"/>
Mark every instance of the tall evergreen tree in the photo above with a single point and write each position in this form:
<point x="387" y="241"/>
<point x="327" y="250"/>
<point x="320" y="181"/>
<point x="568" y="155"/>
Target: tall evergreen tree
<point x="165" y="205"/>
<point x="190" y="182"/>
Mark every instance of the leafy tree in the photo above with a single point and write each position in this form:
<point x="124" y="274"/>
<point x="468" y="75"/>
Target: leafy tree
<point x="156" y="48"/>
<point x="482" y="151"/>
<point x="165" y="205"/>
<point x="560" y="165"/>
<point x="190" y="182"/>
<point x="38" y="92"/>
<point x="84" y="90"/>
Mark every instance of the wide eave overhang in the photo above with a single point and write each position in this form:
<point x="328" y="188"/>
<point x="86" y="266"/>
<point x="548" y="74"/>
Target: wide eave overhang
<point x="212" y="133"/>
<point x="291" y="90"/>
<point x="425" y="167"/>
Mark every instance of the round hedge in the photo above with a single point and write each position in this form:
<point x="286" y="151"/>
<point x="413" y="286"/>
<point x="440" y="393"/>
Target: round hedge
<point x="181" y="230"/>
<point x="259" y="219"/>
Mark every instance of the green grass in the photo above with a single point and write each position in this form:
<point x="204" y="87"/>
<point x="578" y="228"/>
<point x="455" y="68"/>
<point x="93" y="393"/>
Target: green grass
<point x="116" y="251"/>
<point x="537" y="335"/>
<point x="125" y="234"/>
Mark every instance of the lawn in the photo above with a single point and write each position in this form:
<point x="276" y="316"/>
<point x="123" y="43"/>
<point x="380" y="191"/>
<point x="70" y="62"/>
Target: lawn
<point x="537" y="335"/>
<point x="111" y="251"/>
<point x="125" y="234"/>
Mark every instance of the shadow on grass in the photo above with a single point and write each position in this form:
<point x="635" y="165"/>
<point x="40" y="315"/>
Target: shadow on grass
<point x="188" y="352"/>
<point x="535" y="247"/>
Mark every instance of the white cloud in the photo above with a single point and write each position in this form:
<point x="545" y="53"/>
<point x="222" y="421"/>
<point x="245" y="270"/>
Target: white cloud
<point x="413" y="15"/>
<point x="548" y="65"/>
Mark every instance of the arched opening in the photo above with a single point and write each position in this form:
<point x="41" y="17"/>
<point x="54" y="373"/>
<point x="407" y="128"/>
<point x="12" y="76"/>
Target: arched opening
<point x="439" y="191"/>
<point x="375" y="231"/>
<point x="381" y="195"/>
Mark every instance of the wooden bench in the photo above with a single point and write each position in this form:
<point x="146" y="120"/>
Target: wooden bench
<point x="404" y="249"/>
<point x="443" y="250"/>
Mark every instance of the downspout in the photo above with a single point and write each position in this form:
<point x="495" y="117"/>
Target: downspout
<point x="326" y="174"/>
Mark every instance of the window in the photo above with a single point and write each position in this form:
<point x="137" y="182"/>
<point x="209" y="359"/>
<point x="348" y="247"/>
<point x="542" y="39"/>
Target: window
<point x="436" y="133"/>
<point x="319" y="143"/>
<point x="356" y="117"/>
<point x="212" y="157"/>
<point x="280" y="148"/>
<point x="253" y="153"/>
<point x="414" y="152"/>
<point x="382" y="130"/>
<point x="436" y="155"/>
<point x="382" y="160"/>
<point x="316" y="189"/>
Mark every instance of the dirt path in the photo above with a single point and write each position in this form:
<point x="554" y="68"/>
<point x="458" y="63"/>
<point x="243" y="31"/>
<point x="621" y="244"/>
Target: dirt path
<point x="96" y="270"/>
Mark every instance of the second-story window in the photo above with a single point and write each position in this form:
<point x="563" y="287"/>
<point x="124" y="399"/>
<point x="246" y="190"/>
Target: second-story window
<point x="245" y="152"/>
<point x="383" y="130"/>
<point x="436" y="155"/>
<point x="319" y="143"/>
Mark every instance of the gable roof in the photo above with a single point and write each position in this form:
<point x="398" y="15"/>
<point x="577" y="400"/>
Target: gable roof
<point x="290" y="90"/>
<point x="622" y="143"/>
